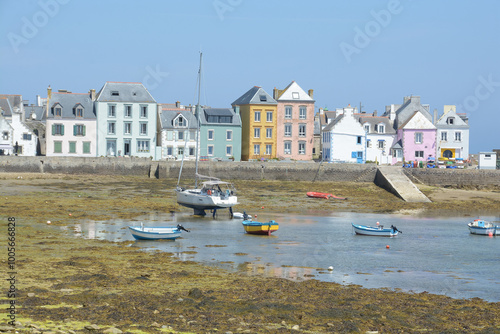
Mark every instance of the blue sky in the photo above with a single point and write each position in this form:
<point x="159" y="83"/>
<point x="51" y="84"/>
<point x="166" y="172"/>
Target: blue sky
<point x="350" y="52"/>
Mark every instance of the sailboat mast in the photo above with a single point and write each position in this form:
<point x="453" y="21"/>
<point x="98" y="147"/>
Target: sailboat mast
<point x="197" y="114"/>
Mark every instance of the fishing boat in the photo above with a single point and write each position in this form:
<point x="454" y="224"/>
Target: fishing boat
<point x="482" y="227"/>
<point x="156" y="233"/>
<point x="378" y="230"/>
<point x="260" y="228"/>
<point x="214" y="194"/>
<point x="315" y="194"/>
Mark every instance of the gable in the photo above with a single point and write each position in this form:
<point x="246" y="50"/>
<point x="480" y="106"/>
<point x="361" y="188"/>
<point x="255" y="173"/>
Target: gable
<point x="418" y="121"/>
<point x="293" y="92"/>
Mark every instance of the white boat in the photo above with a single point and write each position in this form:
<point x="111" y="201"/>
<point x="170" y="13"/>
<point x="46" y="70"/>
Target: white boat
<point x="378" y="230"/>
<point x="482" y="227"/>
<point x="214" y="194"/>
<point x="156" y="233"/>
<point x="244" y="215"/>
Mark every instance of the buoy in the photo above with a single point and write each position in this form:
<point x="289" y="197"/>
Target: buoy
<point x="378" y="223"/>
<point x="262" y="208"/>
<point x="255" y="216"/>
<point x="330" y="268"/>
<point x="48" y="221"/>
<point x="490" y="234"/>
<point x="387" y="247"/>
<point x="70" y="214"/>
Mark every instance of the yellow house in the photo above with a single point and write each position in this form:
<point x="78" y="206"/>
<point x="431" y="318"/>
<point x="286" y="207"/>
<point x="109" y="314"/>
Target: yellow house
<point x="258" y="111"/>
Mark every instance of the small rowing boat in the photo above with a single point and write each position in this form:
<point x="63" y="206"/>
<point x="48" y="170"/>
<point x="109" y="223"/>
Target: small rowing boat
<point x="378" y="230"/>
<point x="156" y="233"/>
<point x="315" y="194"/>
<point x="260" y="228"/>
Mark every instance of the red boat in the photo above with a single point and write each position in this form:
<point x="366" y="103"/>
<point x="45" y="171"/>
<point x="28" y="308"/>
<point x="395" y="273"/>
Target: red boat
<point x="323" y="195"/>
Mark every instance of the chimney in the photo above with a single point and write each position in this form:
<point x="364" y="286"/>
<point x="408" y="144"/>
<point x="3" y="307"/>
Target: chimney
<point x="49" y="92"/>
<point x="435" y="116"/>
<point x="321" y="111"/>
<point x="92" y="94"/>
<point x="374" y="113"/>
<point x="310" y="92"/>
<point x="275" y="93"/>
<point x="177" y="104"/>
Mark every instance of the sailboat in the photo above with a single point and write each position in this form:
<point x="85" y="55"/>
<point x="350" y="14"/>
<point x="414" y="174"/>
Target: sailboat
<point x="214" y="194"/>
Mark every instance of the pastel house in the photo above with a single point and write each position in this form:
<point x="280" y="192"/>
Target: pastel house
<point x="417" y="137"/>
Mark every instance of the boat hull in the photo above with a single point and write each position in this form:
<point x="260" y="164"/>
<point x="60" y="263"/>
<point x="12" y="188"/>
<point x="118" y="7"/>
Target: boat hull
<point x="194" y="199"/>
<point x="374" y="231"/>
<point x="154" y="233"/>
<point x="314" y="194"/>
<point x="481" y="227"/>
<point x="251" y="227"/>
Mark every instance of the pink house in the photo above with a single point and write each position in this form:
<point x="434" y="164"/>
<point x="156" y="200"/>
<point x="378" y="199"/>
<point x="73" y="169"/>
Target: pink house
<point x="295" y="123"/>
<point x="417" y="137"/>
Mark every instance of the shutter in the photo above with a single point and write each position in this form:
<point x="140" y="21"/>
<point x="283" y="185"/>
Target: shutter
<point x="74" y="130"/>
<point x="83" y="130"/>
<point x="62" y="130"/>
<point x="354" y="154"/>
<point x="53" y="129"/>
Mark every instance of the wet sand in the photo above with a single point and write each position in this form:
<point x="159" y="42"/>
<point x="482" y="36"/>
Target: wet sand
<point x="64" y="283"/>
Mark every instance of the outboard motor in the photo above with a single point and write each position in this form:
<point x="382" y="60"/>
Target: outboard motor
<point x="180" y="227"/>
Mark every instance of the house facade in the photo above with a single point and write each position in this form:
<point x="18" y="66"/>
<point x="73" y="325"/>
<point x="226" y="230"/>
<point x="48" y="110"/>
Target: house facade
<point x="70" y="124"/>
<point x="177" y="132"/>
<point x="258" y="112"/>
<point x="295" y="123"/>
<point x="344" y="138"/>
<point x="220" y="133"/>
<point x="452" y="134"/>
<point x="418" y="138"/>
<point x="380" y="136"/>
<point x="126" y="120"/>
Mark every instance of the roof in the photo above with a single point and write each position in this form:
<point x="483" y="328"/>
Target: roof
<point x="398" y="144"/>
<point x="15" y="101"/>
<point x="221" y="115"/>
<point x="5" y="106"/>
<point x="167" y="118"/>
<point x="407" y="110"/>
<point x="418" y="121"/>
<point x="293" y="92"/>
<point x="373" y="120"/>
<point x="68" y="101"/>
<point x="459" y="123"/>
<point x="334" y="122"/>
<point x="37" y="111"/>
<point x="255" y="95"/>
<point x="124" y="92"/>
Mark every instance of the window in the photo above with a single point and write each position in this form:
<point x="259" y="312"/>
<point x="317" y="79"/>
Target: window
<point x="191" y="151"/>
<point x="180" y="151"/>
<point x="358" y="140"/>
<point x="450" y="120"/>
<point x="302" y="147"/>
<point x="288" y="147"/>
<point x="57" y="146"/>
<point x="256" y="149"/>
<point x="128" y="111"/>
<point x="210" y="150"/>
<point x="111" y="110"/>
<point x="367" y="127"/>
<point x="263" y="98"/>
<point x="144" y="128"/>
<point x="79" y="112"/>
<point x="381" y="144"/>
<point x="229" y="135"/>
<point x="58" y="111"/>
<point x="229" y="150"/>
<point x="144" y="111"/>
<point x="111" y="147"/>
<point x="78" y="130"/>
<point x="257" y="116"/>
<point x="269" y="149"/>
<point x="111" y="128"/>
<point x="115" y="93"/>
<point x="269" y="116"/>
<point x="418" y="137"/>
<point x="127" y="128"/>
<point x="381" y="128"/>
<point x="269" y="133"/>
<point x="256" y="132"/>
<point x="5" y="134"/>
<point x="288" y="112"/>
<point x="58" y="130"/>
<point x="169" y="150"/>
<point x="86" y="147"/>
<point x="180" y="135"/>
<point x="210" y="134"/>
<point x="302" y="130"/>
<point x="26" y="136"/>
<point x="143" y="146"/>
<point x="180" y="121"/>
<point x="192" y="135"/>
<point x="295" y="95"/>
<point x="72" y="147"/>
<point x="368" y="143"/>
<point x="288" y="130"/>
<point x="458" y="136"/>
<point x="444" y="136"/>
<point x="419" y="154"/>
<point x="302" y="112"/>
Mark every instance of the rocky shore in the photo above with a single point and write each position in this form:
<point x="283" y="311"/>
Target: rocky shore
<point x="66" y="284"/>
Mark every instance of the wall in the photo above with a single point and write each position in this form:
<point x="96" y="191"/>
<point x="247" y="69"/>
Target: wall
<point x="454" y="177"/>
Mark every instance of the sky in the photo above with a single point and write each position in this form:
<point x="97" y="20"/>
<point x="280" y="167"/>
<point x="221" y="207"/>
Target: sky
<point x="368" y="52"/>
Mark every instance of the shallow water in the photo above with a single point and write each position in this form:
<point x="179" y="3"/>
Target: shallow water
<point x="437" y="255"/>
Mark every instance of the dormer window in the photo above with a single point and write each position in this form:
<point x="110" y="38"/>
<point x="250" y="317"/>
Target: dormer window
<point x="180" y="122"/>
<point x="115" y="93"/>
<point x="450" y="120"/>
<point x="367" y="127"/>
<point x="381" y="128"/>
<point x="263" y="98"/>
<point x="56" y="110"/>
<point x="78" y="111"/>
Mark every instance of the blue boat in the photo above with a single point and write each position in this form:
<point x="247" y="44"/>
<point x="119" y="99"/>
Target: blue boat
<point x="156" y="233"/>
<point x="378" y="230"/>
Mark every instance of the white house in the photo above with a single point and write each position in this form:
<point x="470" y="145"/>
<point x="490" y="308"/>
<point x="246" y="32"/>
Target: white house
<point x="344" y="139"/>
<point x="380" y="136"/>
<point x="452" y="134"/>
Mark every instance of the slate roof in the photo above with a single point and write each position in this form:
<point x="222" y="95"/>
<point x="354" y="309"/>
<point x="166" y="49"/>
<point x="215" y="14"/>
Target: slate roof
<point x="68" y="101"/>
<point x="460" y="123"/>
<point x="255" y="95"/>
<point x="38" y="111"/>
<point x="124" y="92"/>
<point x="372" y="120"/>
<point x="398" y="145"/>
<point x="407" y="110"/>
<point x="334" y="122"/>
<point x="15" y="101"/>
<point x="167" y="117"/>
<point x="5" y="106"/>
<point x="219" y="112"/>
<point x="293" y="92"/>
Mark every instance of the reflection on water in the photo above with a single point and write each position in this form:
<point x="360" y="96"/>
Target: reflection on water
<point x="437" y="255"/>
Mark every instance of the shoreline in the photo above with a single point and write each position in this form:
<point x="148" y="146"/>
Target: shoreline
<point x="71" y="283"/>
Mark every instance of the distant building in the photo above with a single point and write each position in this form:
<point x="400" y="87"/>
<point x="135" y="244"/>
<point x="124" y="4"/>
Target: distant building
<point x="258" y="111"/>
<point x="177" y="132"/>
<point x="418" y="138"/>
<point x="126" y="120"/>
<point x="487" y="160"/>
<point x="452" y="134"/>
<point x="380" y="136"/>
<point x="295" y="123"/>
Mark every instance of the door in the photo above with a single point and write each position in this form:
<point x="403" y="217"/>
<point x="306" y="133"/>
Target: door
<point x="126" y="147"/>
<point x="360" y="157"/>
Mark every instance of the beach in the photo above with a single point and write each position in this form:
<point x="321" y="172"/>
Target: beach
<point x="69" y="284"/>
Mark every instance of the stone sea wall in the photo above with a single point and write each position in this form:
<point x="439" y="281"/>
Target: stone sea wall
<point x="454" y="177"/>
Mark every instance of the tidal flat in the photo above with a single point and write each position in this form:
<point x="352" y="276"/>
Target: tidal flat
<point x="70" y="284"/>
